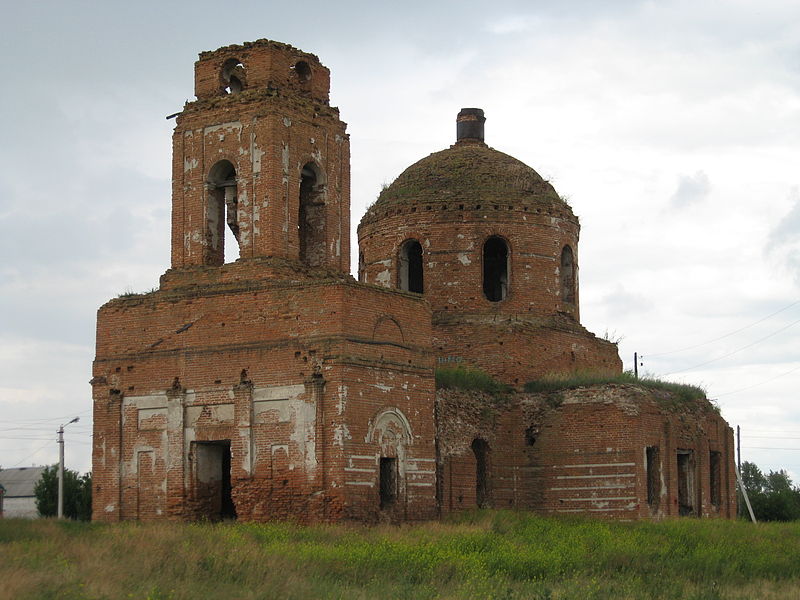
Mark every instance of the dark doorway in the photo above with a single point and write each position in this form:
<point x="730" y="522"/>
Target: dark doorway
<point x="495" y="269"/>
<point x="653" y="476"/>
<point x="213" y="480"/>
<point x="410" y="275"/>
<point x="685" y="483"/>
<point x="714" y="464"/>
<point x="481" y="450"/>
<point x="388" y="482"/>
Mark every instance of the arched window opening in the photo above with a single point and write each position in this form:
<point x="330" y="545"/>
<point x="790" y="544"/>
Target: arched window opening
<point x="223" y="208"/>
<point x="481" y="450"/>
<point x="311" y="221"/>
<point x="362" y="268"/>
<point x="233" y="76"/>
<point x="567" y="275"/>
<point x="409" y="276"/>
<point x="495" y="269"/>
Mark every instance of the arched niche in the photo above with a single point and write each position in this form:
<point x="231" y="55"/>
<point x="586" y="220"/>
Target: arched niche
<point x="391" y="432"/>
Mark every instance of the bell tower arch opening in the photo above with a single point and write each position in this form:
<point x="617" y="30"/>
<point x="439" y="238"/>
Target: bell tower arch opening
<point x="222" y="218"/>
<point x="311" y="220"/>
<point x="233" y="76"/>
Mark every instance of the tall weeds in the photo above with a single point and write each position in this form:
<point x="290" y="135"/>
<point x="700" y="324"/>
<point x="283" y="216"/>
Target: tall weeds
<point x="488" y="554"/>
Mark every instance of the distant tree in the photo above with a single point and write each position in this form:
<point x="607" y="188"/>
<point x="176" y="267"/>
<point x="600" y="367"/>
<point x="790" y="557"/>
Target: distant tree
<point x="77" y="494"/>
<point x="772" y="496"/>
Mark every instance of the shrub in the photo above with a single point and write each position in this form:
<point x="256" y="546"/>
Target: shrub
<point x="77" y="494"/>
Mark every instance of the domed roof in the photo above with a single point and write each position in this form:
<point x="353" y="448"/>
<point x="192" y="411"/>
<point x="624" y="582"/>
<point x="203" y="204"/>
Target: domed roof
<point x="471" y="175"/>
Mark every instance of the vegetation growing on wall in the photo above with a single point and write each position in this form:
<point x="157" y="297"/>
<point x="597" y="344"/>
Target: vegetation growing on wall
<point x="463" y="378"/>
<point x="553" y="383"/>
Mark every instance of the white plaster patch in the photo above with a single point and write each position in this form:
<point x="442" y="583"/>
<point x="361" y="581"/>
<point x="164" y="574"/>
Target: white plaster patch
<point x="224" y="128"/>
<point x="150" y="401"/>
<point x="340" y="434"/>
<point x="109" y="508"/>
<point x="189" y="164"/>
<point x="218" y="413"/>
<point x="383" y="388"/>
<point x="287" y="122"/>
<point x="285" y="160"/>
<point x="146" y="414"/>
<point x="278" y="392"/>
<point x="342" y="404"/>
<point x="383" y="278"/>
<point x="464" y="259"/>
<point x="282" y="407"/>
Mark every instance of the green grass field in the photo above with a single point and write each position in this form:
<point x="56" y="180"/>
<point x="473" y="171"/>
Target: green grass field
<point x="479" y="555"/>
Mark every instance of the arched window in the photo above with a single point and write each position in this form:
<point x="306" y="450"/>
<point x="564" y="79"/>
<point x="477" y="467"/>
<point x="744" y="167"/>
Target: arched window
<point x="222" y="209"/>
<point x="567" y="275"/>
<point x="409" y="275"/>
<point x="311" y="221"/>
<point x="495" y="269"/>
<point x="481" y="450"/>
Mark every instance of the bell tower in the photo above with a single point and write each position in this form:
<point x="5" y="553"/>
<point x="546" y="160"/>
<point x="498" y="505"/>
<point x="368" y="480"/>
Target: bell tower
<point x="260" y="161"/>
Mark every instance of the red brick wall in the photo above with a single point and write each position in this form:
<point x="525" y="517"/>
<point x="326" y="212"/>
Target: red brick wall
<point x="268" y="134"/>
<point x="202" y="364"/>
<point x="581" y="451"/>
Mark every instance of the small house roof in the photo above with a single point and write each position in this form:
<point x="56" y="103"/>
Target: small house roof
<point x="19" y="482"/>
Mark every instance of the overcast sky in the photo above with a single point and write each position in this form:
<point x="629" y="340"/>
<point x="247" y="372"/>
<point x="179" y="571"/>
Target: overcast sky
<point x="671" y="127"/>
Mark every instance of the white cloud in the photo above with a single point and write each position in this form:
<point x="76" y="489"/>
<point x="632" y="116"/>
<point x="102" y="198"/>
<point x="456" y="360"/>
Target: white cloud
<point x="691" y="190"/>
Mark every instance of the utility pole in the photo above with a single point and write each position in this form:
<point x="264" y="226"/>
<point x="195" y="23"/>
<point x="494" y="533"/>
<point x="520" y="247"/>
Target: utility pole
<point x="61" y="468"/>
<point x="739" y="448"/>
<point x="636" y="365"/>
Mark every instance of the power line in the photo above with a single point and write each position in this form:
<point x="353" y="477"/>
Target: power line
<point x="762" y="383"/>
<point x="31" y="454"/>
<point x="745" y="347"/>
<point x="722" y="337"/>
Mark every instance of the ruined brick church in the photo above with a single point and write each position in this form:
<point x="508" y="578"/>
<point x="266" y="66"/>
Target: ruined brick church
<point x="276" y="386"/>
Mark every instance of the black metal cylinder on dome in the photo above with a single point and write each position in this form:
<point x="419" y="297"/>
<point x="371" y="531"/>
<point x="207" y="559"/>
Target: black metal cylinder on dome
<point x="469" y="124"/>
